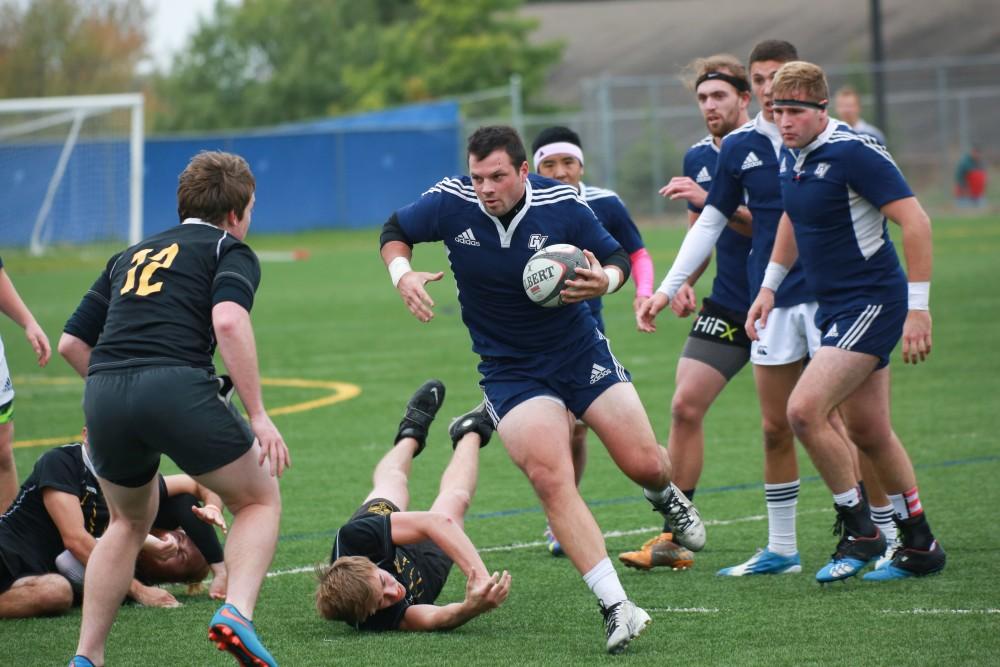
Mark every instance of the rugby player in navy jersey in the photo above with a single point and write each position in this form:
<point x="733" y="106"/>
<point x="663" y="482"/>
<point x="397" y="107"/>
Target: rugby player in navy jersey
<point x="838" y="189"/>
<point x="537" y="363"/>
<point x="558" y="154"/>
<point x="747" y="173"/>
<point x="161" y="307"/>
<point x="717" y="348"/>
<point x="388" y="563"/>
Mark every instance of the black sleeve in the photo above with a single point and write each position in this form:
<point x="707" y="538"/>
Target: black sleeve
<point x="620" y="259"/>
<point x="237" y="276"/>
<point x="369" y="536"/>
<point x="175" y="512"/>
<point x="87" y="321"/>
<point x="393" y="231"/>
<point x="57" y="469"/>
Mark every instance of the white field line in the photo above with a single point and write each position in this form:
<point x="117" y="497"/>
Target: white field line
<point x="515" y="546"/>
<point x="932" y="612"/>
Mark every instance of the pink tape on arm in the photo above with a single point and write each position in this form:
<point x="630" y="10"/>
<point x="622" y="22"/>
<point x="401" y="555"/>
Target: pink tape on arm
<point x="642" y="272"/>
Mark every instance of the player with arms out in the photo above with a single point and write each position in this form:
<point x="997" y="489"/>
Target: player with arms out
<point x="558" y="154"/>
<point x="389" y="564"/>
<point x="537" y="363"/>
<point x="13" y="307"/>
<point x="160" y="308"/>
<point x="716" y="349"/>
<point x="838" y="190"/>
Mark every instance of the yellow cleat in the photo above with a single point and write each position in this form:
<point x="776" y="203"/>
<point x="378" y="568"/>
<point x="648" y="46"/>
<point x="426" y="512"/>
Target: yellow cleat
<point x="659" y="551"/>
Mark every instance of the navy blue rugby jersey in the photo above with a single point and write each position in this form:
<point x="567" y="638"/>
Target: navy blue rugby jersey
<point x="611" y="212"/>
<point x="488" y="260"/>
<point x="730" y="288"/>
<point x="833" y="190"/>
<point x="747" y="173"/>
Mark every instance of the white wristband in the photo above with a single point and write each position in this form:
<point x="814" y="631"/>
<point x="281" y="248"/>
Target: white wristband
<point x="614" y="280"/>
<point x="919" y="295"/>
<point x="397" y="268"/>
<point x="774" y="275"/>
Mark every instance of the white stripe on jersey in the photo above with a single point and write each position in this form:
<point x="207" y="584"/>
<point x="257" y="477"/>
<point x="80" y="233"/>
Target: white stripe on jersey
<point x="865" y="140"/>
<point x="704" y="141"/>
<point x="454" y="186"/>
<point x="860" y="327"/>
<point x="867" y="222"/>
<point x="591" y="193"/>
<point x="552" y="193"/>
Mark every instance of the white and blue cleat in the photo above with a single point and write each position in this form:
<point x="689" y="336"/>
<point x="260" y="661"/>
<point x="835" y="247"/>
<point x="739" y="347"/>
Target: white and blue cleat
<point x="764" y="562"/>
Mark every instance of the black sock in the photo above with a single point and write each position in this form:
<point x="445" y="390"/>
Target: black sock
<point x="916" y="532"/>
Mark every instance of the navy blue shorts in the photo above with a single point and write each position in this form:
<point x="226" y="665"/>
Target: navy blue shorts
<point x="574" y="376"/>
<point x="872" y="329"/>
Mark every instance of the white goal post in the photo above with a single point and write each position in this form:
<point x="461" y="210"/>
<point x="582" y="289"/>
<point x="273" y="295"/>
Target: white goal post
<point x="71" y="170"/>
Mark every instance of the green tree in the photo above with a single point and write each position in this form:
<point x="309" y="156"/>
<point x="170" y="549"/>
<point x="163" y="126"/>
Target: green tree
<point x="70" y="47"/>
<point x="269" y="61"/>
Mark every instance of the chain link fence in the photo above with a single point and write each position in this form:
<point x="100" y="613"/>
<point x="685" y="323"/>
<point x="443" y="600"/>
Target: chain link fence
<point x="635" y="130"/>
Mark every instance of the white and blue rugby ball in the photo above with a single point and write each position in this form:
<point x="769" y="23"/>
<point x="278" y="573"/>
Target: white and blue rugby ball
<point x="547" y="271"/>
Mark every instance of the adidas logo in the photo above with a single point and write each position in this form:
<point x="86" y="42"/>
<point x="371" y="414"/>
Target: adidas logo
<point x="703" y="176"/>
<point x="751" y="161"/>
<point x="597" y="373"/>
<point x="467" y="237"/>
<point x="833" y="333"/>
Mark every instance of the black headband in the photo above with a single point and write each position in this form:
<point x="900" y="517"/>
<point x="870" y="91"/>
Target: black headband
<point x="735" y="81"/>
<point x="800" y="103"/>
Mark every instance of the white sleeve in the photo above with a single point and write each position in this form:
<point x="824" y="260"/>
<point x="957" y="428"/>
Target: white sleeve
<point x="697" y="247"/>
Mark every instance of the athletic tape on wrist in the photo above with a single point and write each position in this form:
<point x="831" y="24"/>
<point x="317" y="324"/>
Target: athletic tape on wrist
<point x="919" y="295"/>
<point x="397" y="268"/>
<point x="614" y="279"/>
<point x="774" y="275"/>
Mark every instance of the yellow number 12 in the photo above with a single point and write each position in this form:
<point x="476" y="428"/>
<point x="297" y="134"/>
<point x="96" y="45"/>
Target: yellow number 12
<point x="161" y="260"/>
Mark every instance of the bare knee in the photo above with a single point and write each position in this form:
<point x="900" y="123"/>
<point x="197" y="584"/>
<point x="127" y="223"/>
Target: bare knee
<point x="45" y="595"/>
<point x="685" y="412"/>
<point x="778" y="433"/>
<point x="55" y="595"/>
<point x="549" y="483"/>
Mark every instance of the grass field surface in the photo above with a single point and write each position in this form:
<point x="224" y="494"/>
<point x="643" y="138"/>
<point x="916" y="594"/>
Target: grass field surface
<point x="340" y="355"/>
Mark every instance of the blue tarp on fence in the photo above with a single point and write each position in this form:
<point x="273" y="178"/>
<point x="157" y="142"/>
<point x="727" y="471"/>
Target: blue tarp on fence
<point x="338" y="172"/>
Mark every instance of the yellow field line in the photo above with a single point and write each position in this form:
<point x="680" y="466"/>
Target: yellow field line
<point x="342" y="391"/>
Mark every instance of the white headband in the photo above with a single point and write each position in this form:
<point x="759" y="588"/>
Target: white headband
<point x="559" y="147"/>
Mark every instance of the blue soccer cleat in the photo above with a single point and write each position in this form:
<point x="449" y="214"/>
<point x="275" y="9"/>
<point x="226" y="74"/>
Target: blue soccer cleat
<point x="80" y="661"/>
<point x="551" y="543"/>
<point x="907" y="562"/>
<point x="764" y="562"/>
<point x="854" y="551"/>
<point x="233" y="632"/>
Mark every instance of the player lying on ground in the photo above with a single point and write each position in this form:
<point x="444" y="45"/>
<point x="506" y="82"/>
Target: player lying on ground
<point x="389" y="564"/>
<point x="56" y="518"/>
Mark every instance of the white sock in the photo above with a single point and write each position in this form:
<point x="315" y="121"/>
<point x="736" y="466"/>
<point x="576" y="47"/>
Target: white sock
<point x="603" y="581"/>
<point x="849" y="498"/>
<point x="782" y="500"/>
<point x="659" y="496"/>
<point x="882" y="517"/>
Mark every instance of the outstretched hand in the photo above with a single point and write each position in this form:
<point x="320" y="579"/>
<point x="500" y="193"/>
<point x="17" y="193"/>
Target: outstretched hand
<point x="39" y="343"/>
<point x="485" y="593"/>
<point x="211" y="515"/>
<point x="684" y="302"/>
<point x="759" y="311"/>
<point x="416" y="298"/>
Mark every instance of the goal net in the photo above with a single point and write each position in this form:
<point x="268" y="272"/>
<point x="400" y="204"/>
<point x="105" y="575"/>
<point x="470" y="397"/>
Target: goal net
<point x="71" y="170"/>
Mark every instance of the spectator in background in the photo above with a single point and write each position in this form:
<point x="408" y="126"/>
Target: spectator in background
<point x="848" y="104"/>
<point x="970" y="179"/>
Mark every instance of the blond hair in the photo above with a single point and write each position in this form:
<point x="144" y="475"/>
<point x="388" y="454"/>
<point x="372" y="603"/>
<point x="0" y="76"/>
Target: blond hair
<point x="345" y="591"/>
<point x="720" y="62"/>
<point x="801" y="77"/>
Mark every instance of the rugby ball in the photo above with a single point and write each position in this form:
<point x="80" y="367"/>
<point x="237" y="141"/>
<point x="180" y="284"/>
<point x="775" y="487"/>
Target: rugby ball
<point x="547" y="271"/>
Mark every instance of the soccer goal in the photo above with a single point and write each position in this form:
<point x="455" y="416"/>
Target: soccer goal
<point x="71" y="170"/>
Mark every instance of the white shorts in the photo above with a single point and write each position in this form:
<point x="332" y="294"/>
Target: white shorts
<point x="790" y="335"/>
<point x="6" y="386"/>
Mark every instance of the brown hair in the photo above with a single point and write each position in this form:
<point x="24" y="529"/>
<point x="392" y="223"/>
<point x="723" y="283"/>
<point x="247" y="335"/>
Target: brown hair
<point x="799" y="76"/>
<point x="345" y="591"/>
<point x="848" y="91"/>
<point x="212" y="185"/>
<point x="720" y="62"/>
<point x="773" y="49"/>
<point x="489" y="138"/>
